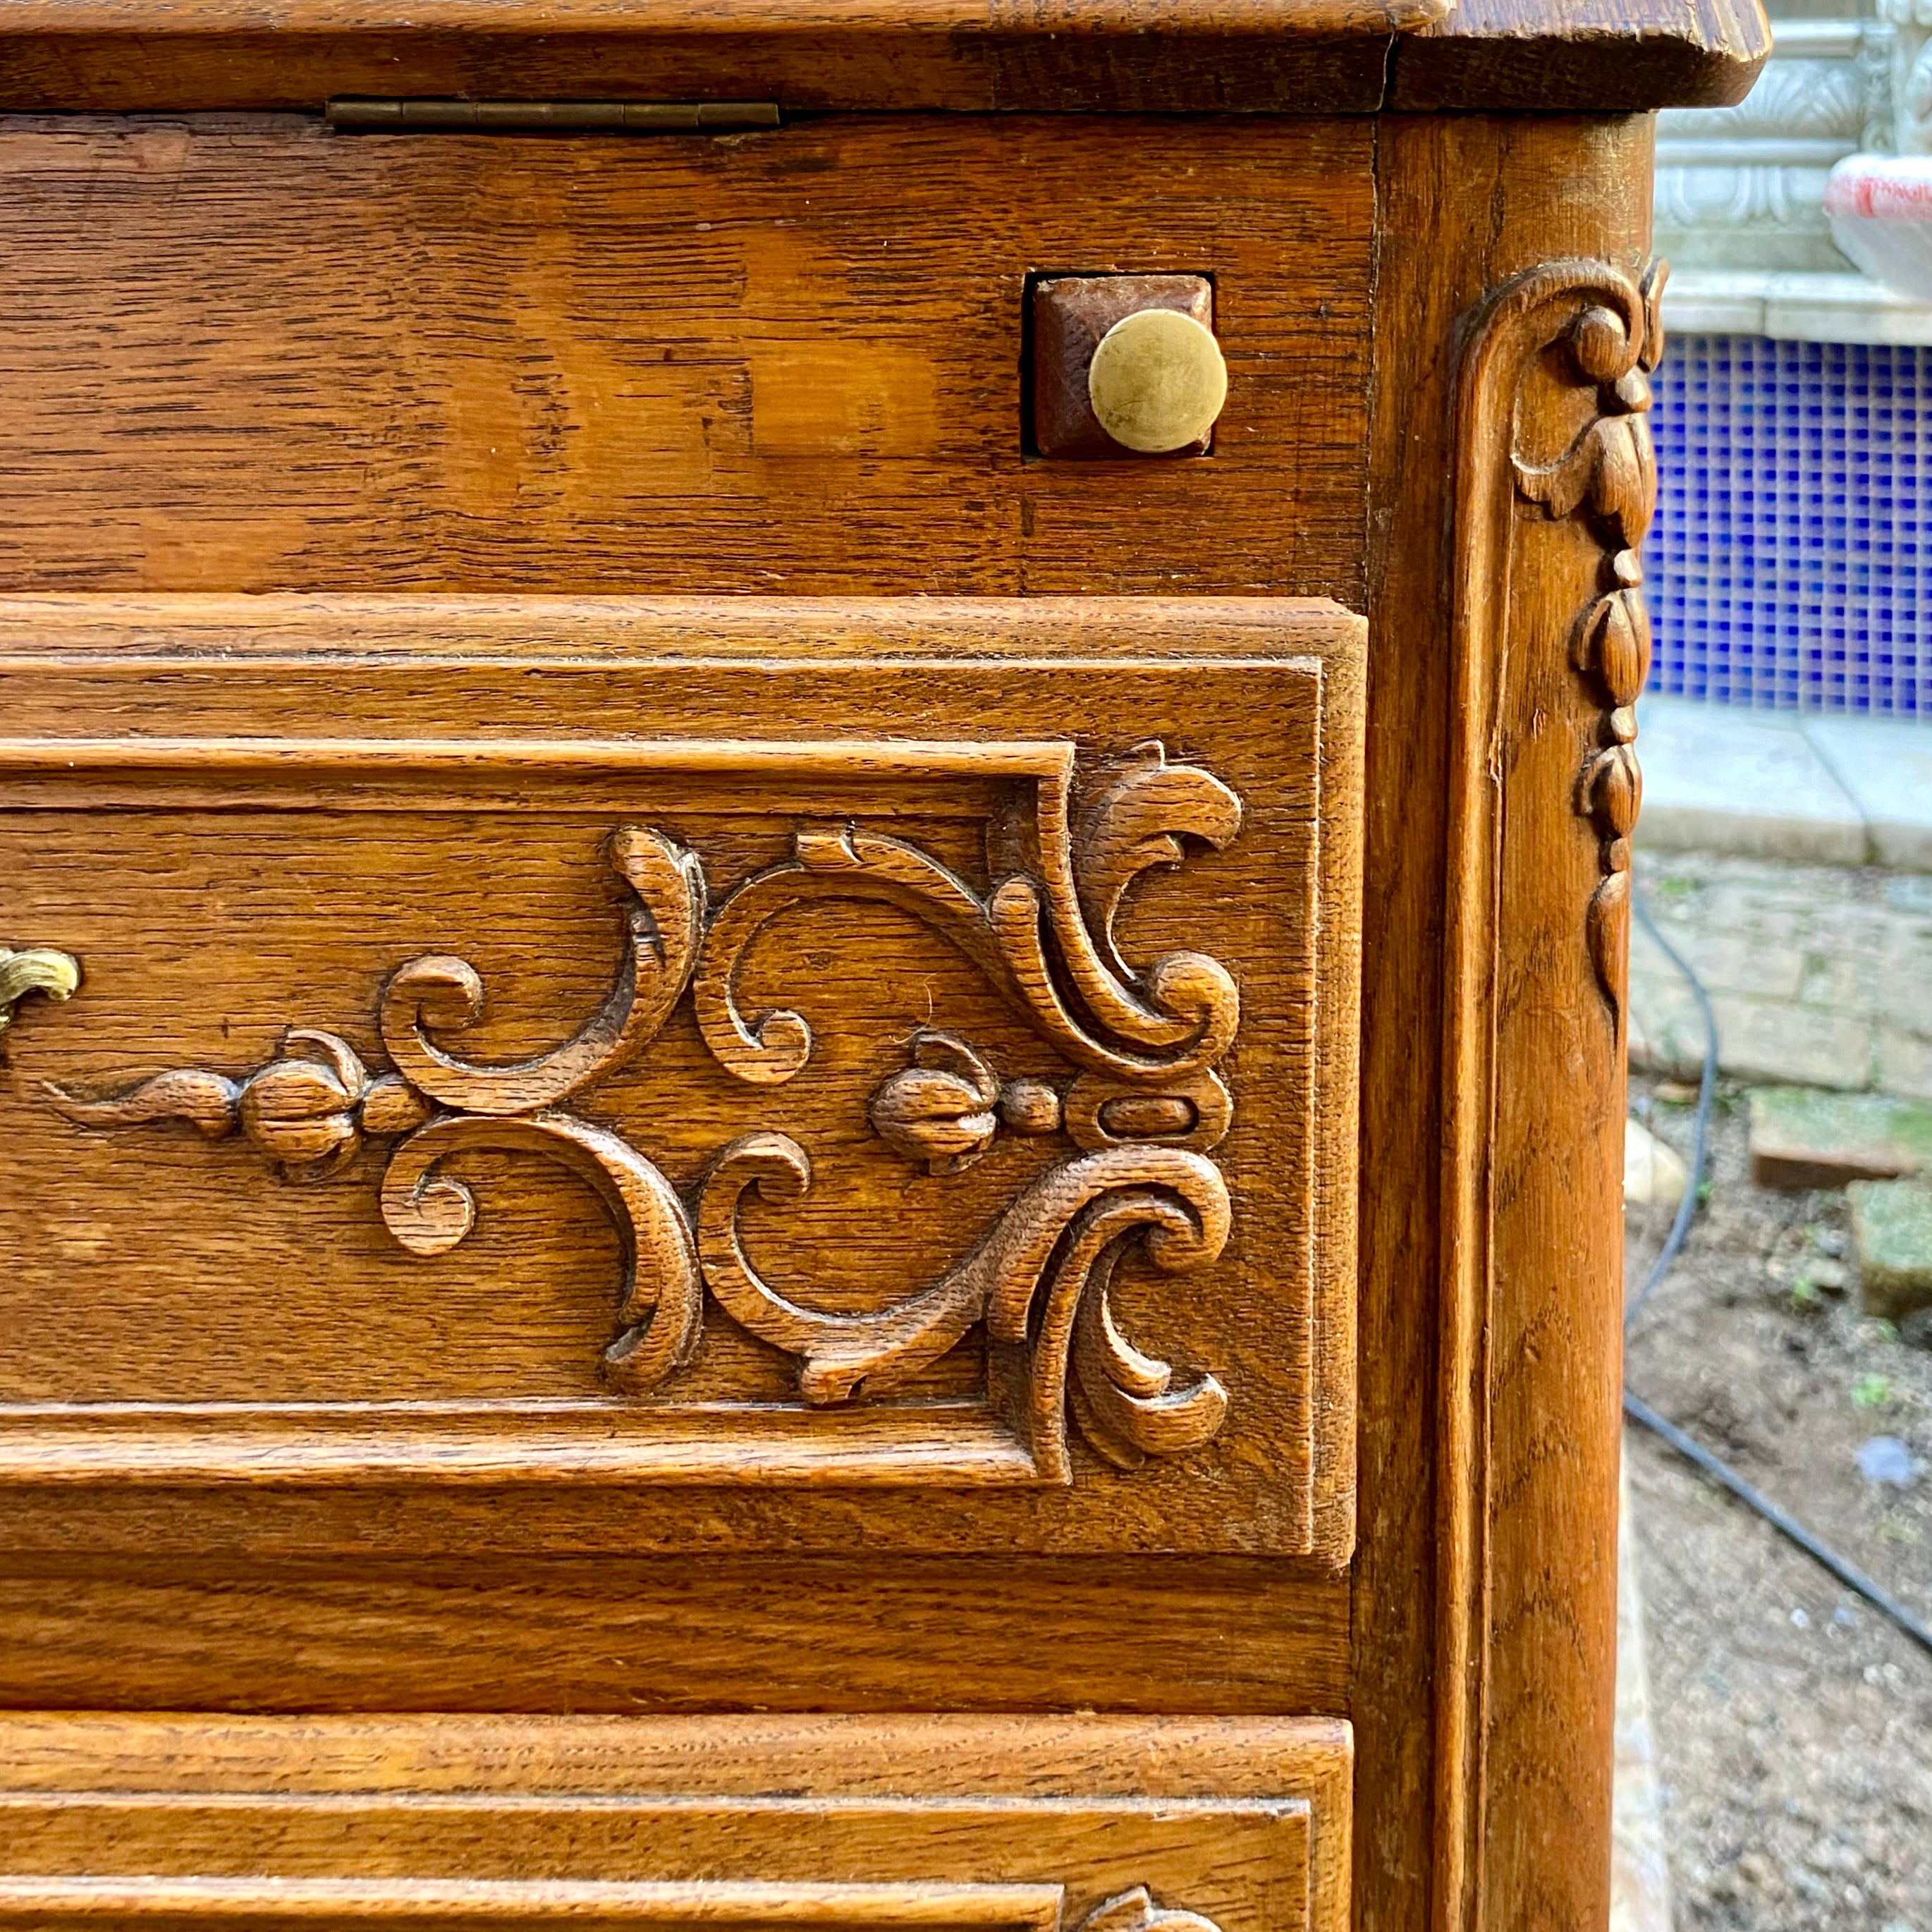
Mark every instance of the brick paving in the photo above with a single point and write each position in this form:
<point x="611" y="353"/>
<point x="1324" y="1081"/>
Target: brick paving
<point x="1820" y="976"/>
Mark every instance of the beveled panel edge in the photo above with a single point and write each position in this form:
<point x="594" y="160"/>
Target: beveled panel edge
<point x="138" y="627"/>
<point x="983" y="55"/>
<point x="352" y="1443"/>
<point x="270" y="1901"/>
<point x="1294" y="56"/>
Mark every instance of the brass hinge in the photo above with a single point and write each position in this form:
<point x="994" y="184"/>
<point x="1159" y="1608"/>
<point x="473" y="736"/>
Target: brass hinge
<point x="359" y="114"/>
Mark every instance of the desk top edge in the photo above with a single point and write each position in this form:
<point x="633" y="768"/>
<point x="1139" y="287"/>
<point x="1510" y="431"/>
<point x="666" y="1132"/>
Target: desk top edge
<point x="1190" y="56"/>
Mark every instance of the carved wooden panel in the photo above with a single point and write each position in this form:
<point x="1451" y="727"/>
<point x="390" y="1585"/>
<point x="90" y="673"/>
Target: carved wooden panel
<point x="893" y="1824"/>
<point x="797" y="1058"/>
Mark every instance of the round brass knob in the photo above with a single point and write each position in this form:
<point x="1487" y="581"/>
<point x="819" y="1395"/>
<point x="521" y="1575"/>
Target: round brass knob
<point x="1157" y="381"/>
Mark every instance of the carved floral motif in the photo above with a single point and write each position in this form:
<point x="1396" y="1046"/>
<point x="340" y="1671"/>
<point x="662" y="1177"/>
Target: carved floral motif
<point x="946" y="1108"/>
<point x="1144" y="1109"/>
<point x="308" y="1109"/>
<point x="1608" y="474"/>
<point x="34" y="969"/>
<point x="1137" y="1911"/>
<point x="1043" y="935"/>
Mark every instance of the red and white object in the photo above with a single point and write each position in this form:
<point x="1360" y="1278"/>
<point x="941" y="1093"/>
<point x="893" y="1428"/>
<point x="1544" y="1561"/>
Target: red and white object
<point x="1880" y="209"/>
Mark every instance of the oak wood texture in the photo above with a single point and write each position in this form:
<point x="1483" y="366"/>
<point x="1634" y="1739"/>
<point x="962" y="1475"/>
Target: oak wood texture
<point x="1118" y="1825"/>
<point x="295" y="1613"/>
<point x="1527" y="1095"/>
<point x="873" y="822"/>
<point x="1294" y="56"/>
<point x="769" y="364"/>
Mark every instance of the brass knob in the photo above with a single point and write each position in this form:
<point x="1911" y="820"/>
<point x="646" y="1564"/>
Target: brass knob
<point x="1157" y="381"/>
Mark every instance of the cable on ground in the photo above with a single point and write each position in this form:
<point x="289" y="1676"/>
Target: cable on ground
<point x="1700" y="1130"/>
<point x="1686" y="1445"/>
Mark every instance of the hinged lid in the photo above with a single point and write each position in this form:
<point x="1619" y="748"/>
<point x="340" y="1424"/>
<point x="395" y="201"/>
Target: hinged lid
<point x="1207" y="56"/>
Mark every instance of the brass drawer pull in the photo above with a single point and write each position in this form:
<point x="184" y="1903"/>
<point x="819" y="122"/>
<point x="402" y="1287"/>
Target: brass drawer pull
<point x="1157" y="381"/>
<point x="1124" y="366"/>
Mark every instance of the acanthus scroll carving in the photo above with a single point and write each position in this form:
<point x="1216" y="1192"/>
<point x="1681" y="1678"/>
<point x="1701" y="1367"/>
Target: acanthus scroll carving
<point x="1144" y="1109"/>
<point x="310" y="1107"/>
<point x="1611" y="342"/>
<point x="1043" y="935"/>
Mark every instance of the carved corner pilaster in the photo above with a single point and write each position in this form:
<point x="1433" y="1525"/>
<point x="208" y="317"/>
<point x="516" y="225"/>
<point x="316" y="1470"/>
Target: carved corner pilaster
<point x="1552" y="428"/>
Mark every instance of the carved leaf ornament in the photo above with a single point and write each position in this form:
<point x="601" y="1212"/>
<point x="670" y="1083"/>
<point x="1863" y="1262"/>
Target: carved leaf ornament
<point x="1144" y="1110"/>
<point x="34" y="969"/>
<point x="1608" y="476"/>
<point x="1138" y="1911"/>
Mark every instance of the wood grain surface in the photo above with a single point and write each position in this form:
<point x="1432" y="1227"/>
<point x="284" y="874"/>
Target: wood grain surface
<point x="1529" y="56"/>
<point x="320" y="1624"/>
<point x="770" y="363"/>
<point x="1293" y="56"/>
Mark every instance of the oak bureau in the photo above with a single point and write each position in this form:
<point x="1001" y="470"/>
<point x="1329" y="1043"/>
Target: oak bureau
<point x="813" y="867"/>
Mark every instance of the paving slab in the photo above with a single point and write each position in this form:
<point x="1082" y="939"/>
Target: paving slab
<point x="1891" y="1232"/>
<point x="1800" y="1137"/>
<point x="1655" y="1175"/>
<point x="1884" y="766"/>
<point x="1717" y="779"/>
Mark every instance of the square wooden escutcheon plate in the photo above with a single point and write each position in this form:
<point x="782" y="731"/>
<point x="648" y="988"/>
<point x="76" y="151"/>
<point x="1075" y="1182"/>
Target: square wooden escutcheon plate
<point x="753" y="1074"/>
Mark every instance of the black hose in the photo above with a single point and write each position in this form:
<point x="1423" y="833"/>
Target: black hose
<point x="1687" y="1446"/>
<point x="1719" y="1471"/>
<point x="1700" y="1131"/>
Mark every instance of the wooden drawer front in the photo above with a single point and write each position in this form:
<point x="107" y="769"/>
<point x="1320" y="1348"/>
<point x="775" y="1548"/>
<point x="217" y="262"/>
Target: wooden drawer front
<point x="266" y="357"/>
<point x="906" y="1824"/>
<point x="960" y="1098"/>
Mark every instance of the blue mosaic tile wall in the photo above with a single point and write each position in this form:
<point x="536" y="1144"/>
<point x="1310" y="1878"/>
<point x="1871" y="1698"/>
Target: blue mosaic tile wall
<point x="1788" y="564"/>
